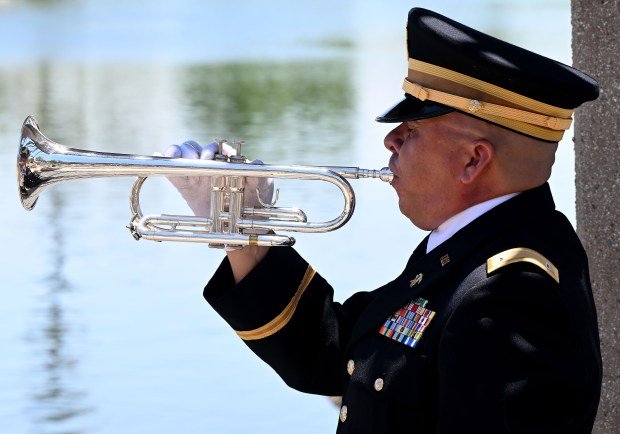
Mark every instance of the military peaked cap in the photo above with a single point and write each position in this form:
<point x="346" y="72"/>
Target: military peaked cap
<point x="454" y="67"/>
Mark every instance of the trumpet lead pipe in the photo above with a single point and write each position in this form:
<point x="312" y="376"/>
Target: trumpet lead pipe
<point x="384" y="174"/>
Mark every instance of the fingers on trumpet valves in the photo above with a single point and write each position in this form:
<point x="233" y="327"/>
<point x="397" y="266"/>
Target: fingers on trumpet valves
<point x="173" y="151"/>
<point x="208" y="151"/>
<point x="190" y="149"/>
<point x="261" y="189"/>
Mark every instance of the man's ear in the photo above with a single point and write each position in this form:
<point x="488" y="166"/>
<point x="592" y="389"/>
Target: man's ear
<point x="479" y="154"/>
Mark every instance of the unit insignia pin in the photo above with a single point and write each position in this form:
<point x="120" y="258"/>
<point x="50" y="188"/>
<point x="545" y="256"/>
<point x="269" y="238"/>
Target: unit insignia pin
<point x="444" y="260"/>
<point x="415" y="280"/>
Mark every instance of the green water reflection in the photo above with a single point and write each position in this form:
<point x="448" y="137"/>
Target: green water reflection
<point x="288" y="109"/>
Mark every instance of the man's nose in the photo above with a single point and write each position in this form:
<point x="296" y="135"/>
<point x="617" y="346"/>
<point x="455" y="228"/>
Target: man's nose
<point x="394" y="140"/>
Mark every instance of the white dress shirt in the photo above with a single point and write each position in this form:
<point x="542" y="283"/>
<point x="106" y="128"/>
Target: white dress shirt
<point x="462" y="219"/>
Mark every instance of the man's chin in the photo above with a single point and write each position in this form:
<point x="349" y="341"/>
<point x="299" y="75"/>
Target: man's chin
<point x="415" y="218"/>
<point x="404" y="210"/>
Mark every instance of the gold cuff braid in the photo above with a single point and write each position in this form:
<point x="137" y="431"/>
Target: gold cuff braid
<point x="284" y="317"/>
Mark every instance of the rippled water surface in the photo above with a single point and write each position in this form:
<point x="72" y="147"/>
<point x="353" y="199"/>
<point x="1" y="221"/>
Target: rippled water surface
<point x="102" y="334"/>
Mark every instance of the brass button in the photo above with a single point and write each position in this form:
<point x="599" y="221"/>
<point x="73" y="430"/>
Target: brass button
<point x="379" y="384"/>
<point x="350" y="367"/>
<point x="343" y="413"/>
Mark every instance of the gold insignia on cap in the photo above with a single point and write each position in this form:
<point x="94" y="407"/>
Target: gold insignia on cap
<point x="522" y="254"/>
<point x="416" y="280"/>
<point x="474" y="106"/>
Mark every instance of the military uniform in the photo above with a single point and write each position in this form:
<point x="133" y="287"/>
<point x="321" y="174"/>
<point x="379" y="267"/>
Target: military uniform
<point x="494" y="330"/>
<point x="509" y="345"/>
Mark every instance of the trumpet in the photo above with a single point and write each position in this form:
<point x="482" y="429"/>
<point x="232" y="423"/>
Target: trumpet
<point x="42" y="163"/>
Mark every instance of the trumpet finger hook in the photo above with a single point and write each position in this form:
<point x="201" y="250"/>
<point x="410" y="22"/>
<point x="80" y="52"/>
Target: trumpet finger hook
<point x="268" y="205"/>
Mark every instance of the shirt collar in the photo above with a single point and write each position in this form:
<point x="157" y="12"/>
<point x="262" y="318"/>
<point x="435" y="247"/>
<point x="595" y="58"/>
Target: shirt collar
<point x="462" y="219"/>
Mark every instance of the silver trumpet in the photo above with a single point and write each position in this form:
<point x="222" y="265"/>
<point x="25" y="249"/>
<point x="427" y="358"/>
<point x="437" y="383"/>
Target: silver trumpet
<point x="42" y="163"/>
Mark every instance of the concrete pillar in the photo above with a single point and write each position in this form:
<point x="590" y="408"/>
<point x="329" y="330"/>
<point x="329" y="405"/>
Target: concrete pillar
<point x="596" y="50"/>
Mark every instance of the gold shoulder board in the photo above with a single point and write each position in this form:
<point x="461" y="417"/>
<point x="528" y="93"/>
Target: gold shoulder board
<point x="522" y="254"/>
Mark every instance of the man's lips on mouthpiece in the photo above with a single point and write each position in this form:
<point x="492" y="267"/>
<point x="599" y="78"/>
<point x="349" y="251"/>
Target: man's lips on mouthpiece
<point x="394" y="177"/>
<point x="392" y="168"/>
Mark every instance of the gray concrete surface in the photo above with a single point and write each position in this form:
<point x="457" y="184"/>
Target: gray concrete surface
<point x="596" y="50"/>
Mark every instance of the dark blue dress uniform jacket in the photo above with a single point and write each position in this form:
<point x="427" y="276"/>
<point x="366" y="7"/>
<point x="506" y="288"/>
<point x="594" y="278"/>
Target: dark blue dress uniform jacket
<point x="513" y="345"/>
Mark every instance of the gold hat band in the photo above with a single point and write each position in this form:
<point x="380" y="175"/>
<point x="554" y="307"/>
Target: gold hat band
<point x="520" y="113"/>
<point x="480" y="107"/>
<point x="488" y="88"/>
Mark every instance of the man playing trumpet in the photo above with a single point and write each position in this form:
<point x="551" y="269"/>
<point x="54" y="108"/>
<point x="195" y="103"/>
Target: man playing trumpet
<point x="491" y="327"/>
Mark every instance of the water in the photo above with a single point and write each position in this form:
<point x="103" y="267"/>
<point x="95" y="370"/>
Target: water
<point x="102" y="334"/>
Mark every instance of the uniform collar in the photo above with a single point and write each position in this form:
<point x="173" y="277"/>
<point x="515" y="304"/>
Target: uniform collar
<point x="462" y="219"/>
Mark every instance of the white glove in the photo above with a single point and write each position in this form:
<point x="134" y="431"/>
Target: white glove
<point x="196" y="190"/>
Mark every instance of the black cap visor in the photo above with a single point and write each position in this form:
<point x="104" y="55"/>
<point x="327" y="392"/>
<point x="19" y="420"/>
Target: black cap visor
<point x="411" y="109"/>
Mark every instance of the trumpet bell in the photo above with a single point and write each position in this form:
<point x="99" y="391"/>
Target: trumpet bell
<point x="33" y="173"/>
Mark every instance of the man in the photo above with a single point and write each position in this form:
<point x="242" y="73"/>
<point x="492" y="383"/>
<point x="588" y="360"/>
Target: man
<point x="491" y="327"/>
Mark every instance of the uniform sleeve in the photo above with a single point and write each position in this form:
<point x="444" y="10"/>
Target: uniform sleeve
<point x="506" y="360"/>
<point x="284" y="311"/>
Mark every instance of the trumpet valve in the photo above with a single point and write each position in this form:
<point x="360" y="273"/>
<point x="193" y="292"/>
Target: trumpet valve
<point x="237" y="145"/>
<point x="236" y="158"/>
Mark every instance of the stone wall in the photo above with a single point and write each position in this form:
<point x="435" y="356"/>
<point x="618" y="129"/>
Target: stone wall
<point x="596" y="50"/>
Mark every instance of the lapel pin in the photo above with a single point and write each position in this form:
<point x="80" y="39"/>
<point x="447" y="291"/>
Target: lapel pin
<point x="444" y="260"/>
<point x="415" y="280"/>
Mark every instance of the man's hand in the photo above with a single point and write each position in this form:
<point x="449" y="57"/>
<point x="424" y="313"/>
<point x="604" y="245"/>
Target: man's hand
<point x="196" y="190"/>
